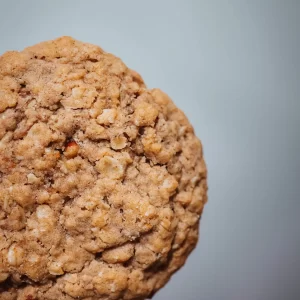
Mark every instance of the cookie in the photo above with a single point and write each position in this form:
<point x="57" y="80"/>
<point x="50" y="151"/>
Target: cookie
<point x="102" y="181"/>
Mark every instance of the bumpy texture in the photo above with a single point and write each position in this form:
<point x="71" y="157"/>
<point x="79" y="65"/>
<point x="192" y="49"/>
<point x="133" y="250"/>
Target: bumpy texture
<point x="102" y="182"/>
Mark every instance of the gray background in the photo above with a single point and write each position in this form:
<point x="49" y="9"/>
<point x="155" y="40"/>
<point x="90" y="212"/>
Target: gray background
<point x="234" y="68"/>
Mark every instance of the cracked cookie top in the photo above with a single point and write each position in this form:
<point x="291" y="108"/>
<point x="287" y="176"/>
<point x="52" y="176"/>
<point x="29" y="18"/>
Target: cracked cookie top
<point x="102" y="181"/>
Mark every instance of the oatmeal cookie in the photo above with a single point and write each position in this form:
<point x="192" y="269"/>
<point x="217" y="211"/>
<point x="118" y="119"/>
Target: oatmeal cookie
<point x="102" y="181"/>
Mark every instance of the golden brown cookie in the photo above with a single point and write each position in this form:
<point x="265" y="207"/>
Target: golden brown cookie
<point x="102" y="181"/>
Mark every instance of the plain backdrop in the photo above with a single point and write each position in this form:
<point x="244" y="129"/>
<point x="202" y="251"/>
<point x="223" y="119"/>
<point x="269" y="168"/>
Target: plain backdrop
<point x="234" y="68"/>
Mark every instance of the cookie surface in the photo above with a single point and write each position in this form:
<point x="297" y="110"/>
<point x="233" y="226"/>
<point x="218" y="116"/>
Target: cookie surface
<point x="102" y="181"/>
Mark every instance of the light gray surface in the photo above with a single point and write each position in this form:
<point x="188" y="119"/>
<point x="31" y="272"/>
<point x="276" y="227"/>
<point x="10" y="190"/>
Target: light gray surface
<point x="234" y="68"/>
